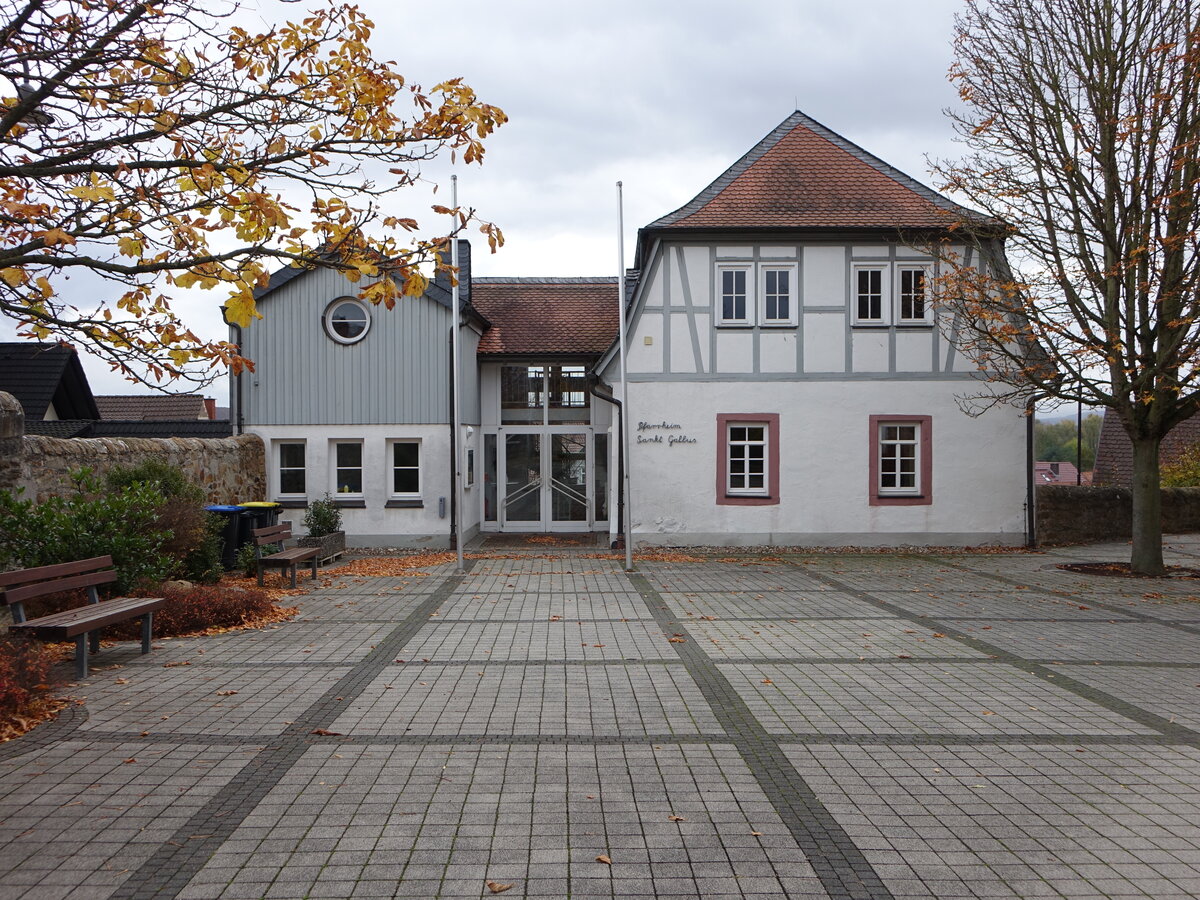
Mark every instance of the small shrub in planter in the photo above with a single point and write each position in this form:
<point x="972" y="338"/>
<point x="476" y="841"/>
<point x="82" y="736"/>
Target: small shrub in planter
<point x="323" y="520"/>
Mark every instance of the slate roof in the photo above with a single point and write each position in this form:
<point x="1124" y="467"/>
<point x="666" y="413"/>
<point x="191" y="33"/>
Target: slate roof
<point x="59" y="428"/>
<point x="1114" y="452"/>
<point x="41" y="374"/>
<point x="804" y="176"/>
<point x="151" y="406"/>
<point x="190" y="428"/>
<point x="546" y="317"/>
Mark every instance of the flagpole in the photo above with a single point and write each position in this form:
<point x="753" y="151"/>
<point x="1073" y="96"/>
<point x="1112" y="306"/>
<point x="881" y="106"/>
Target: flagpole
<point x="626" y="420"/>
<point x="456" y="368"/>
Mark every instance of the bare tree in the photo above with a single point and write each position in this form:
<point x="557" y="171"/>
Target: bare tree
<point x="1082" y="118"/>
<point x="161" y="146"/>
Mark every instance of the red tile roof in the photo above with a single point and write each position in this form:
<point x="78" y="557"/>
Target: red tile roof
<point x="546" y="316"/>
<point x="803" y="175"/>
<point x="151" y="407"/>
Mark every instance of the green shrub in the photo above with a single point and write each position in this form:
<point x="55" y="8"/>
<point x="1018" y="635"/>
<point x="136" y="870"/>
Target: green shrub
<point x="167" y="479"/>
<point x="247" y="560"/>
<point x="323" y="517"/>
<point x="25" y="665"/>
<point x="180" y="513"/>
<point x="204" y="564"/>
<point x="123" y="523"/>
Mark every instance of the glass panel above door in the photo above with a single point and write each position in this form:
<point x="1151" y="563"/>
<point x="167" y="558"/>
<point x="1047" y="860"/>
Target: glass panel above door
<point x="522" y="395"/>
<point x="569" y="400"/>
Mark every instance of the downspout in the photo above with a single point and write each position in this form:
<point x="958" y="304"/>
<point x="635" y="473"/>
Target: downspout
<point x="1031" y="493"/>
<point x="239" y="420"/>
<point x="594" y="385"/>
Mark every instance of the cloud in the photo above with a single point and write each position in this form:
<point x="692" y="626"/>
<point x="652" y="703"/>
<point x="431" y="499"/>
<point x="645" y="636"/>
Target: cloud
<point x="663" y="95"/>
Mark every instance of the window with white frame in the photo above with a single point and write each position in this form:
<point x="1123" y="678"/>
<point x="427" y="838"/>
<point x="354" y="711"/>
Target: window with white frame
<point x="746" y="460"/>
<point x="870" y="299"/>
<point x="734" y="302"/>
<point x="890" y="294"/>
<point x="406" y="468"/>
<point x="289" y="457"/>
<point x="778" y="288"/>
<point x="348" y="468"/>
<point x="913" y="306"/>
<point x="899" y="458"/>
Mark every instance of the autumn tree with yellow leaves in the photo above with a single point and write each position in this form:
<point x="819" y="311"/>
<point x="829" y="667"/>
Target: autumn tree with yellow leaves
<point x="164" y="147"/>
<point x="1083" y="122"/>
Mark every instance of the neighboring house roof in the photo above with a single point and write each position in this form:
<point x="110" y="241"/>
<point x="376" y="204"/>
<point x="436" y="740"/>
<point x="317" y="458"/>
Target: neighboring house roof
<point x="1114" y="453"/>
<point x="802" y="175"/>
<point x="59" y="428"/>
<point x="40" y="375"/>
<point x="546" y="316"/>
<point x="1055" y="473"/>
<point x="191" y="428"/>
<point x="151" y="406"/>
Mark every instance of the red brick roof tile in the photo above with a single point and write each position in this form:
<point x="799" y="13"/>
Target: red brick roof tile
<point x="803" y="175"/>
<point x="546" y="316"/>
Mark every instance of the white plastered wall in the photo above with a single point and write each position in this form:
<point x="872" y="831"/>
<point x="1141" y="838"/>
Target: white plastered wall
<point x="376" y="525"/>
<point x="978" y="467"/>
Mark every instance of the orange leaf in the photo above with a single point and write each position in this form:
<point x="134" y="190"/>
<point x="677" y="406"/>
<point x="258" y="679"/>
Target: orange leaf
<point x="604" y="859"/>
<point x="497" y="888"/>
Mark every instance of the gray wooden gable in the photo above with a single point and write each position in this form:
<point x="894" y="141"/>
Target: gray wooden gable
<point x="397" y="374"/>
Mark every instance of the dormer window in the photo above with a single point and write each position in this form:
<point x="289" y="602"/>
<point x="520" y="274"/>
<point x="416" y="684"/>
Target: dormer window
<point x="347" y="320"/>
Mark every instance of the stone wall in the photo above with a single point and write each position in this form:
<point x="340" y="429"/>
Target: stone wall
<point x="229" y="469"/>
<point x="1068" y="514"/>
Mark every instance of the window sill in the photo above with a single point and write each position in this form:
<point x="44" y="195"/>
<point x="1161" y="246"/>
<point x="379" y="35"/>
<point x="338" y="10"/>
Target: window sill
<point x="874" y="325"/>
<point x="405" y="504"/>
<point x="748" y="500"/>
<point x="778" y="325"/>
<point x="293" y="503"/>
<point x="357" y="503"/>
<point x="901" y="500"/>
<point x="735" y="324"/>
<point x="910" y="325"/>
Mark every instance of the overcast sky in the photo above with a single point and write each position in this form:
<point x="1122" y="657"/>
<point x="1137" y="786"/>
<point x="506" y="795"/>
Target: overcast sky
<point x="663" y="96"/>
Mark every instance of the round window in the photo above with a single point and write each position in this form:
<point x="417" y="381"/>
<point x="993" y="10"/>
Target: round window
<point x="347" y="321"/>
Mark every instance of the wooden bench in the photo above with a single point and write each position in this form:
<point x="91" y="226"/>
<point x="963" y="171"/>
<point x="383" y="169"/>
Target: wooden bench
<point x="285" y="559"/>
<point x="83" y="622"/>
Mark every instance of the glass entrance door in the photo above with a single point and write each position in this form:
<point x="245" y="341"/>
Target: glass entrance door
<point x="546" y="481"/>
<point x="568" y="480"/>
<point x="522" y="504"/>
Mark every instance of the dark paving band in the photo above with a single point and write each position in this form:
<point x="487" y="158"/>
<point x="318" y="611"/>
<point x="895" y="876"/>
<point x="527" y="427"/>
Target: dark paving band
<point x="176" y="862"/>
<point x="843" y="870"/>
<point x="1172" y="732"/>
<point x="1144" y="618"/>
<point x="813" y="738"/>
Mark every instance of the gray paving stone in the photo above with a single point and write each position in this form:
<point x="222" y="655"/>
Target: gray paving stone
<point x="802" y="758"/>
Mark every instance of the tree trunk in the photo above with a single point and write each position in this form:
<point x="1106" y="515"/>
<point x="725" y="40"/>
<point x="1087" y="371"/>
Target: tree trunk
<point x="1147" y="557"/>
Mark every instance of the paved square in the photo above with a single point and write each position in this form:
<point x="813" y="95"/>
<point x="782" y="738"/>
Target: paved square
<point x="857" y="727"/>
